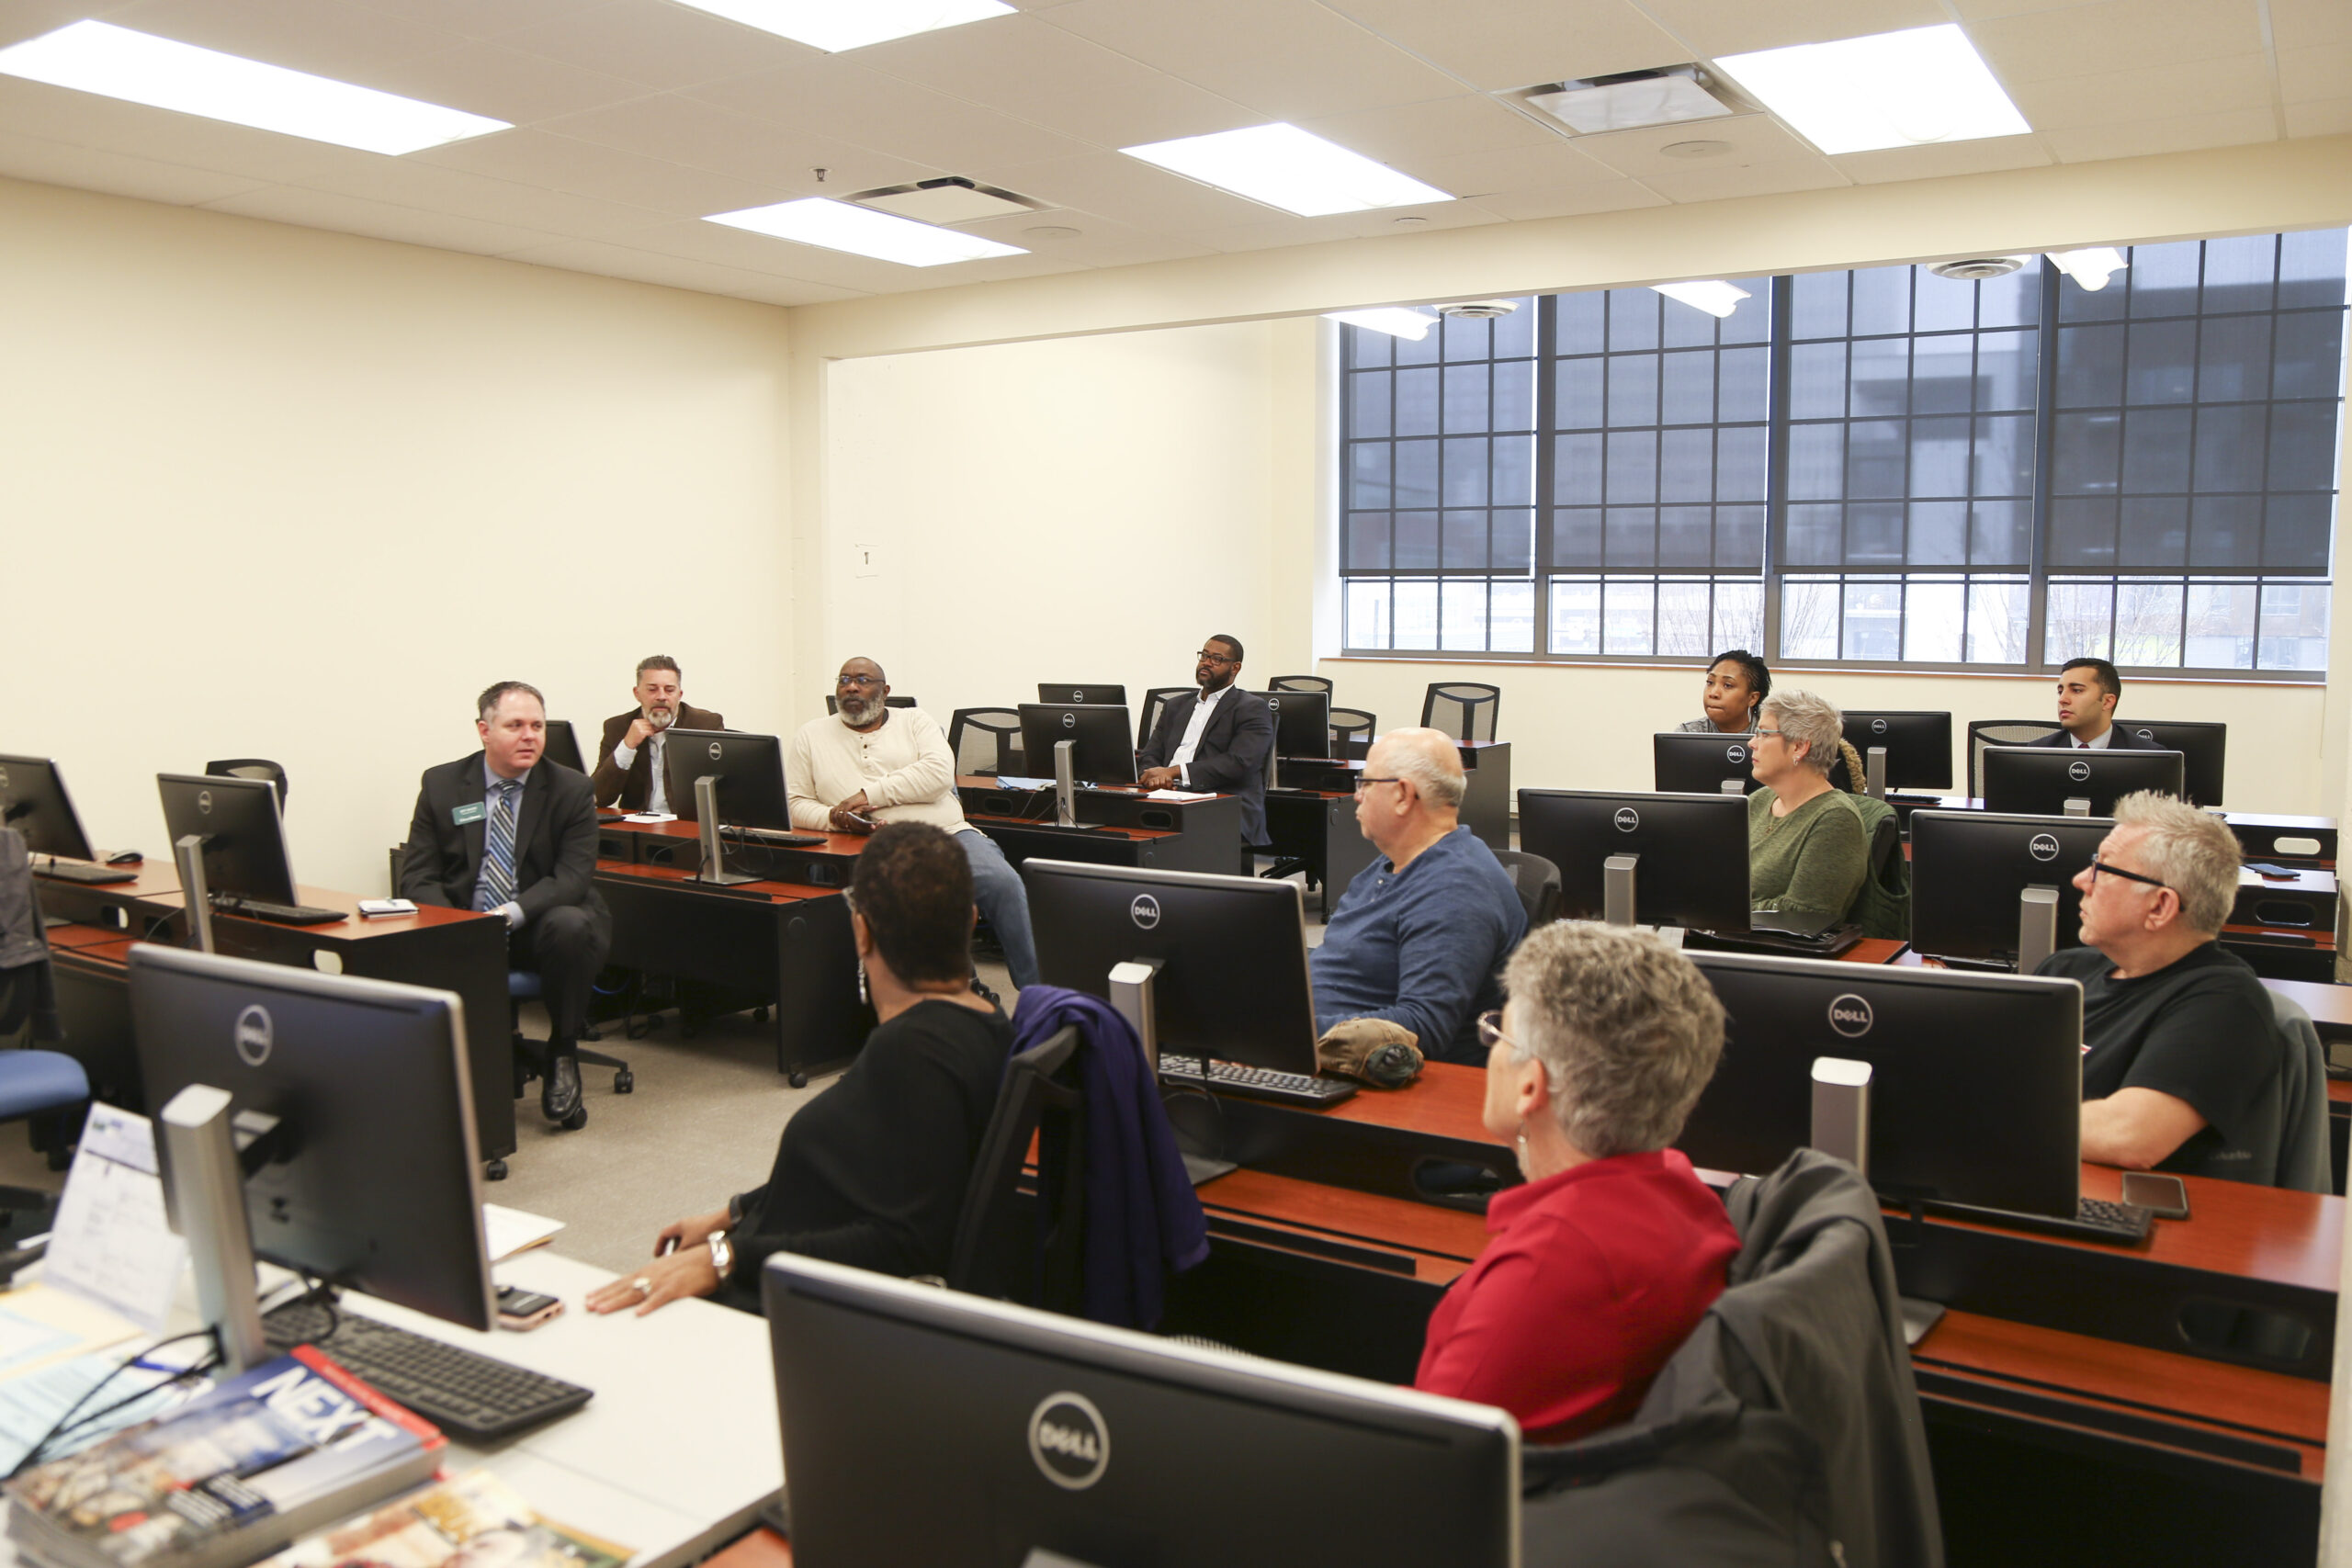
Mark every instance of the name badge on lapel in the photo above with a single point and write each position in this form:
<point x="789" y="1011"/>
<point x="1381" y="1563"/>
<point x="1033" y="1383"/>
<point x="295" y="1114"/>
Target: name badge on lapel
<point x="472" y="811"/>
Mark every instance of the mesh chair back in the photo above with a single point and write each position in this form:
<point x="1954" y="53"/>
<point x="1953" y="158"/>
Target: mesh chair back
<point x="1155" y="699"/>
<point x="1299" y="683"/>
<point x="1464" y="709"/>
<point x="987" y="742"/>
<point x="833" y="704"/>
<point x="1984" y="732"/>
<point x="1000" y="1250"/>
<point x="1538" y="881"/>
<point x="251" y="768"/>
<point x="1351" y="724"/>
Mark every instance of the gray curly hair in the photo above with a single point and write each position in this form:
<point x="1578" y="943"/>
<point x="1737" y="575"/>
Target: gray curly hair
<point x="1801" y="717"/>
<point x="1627" y="1028"/>
<point x="2191" y="852"/>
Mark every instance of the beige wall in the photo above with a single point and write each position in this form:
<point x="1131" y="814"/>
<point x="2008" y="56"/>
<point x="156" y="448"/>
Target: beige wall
<point x="277" y="493"/>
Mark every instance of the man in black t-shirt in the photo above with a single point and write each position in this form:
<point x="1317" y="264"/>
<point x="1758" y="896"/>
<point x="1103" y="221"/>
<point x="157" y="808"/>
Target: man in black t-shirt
<point x="2185" y="1066"/>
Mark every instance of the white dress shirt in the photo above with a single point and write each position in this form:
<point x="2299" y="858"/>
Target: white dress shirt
<point x="2098" y="745"/>
<point x="1182" y="761"/>
<point x="657" y="794"/>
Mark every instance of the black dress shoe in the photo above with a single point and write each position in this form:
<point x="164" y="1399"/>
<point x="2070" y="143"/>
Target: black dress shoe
<point x="560" y="1102"/>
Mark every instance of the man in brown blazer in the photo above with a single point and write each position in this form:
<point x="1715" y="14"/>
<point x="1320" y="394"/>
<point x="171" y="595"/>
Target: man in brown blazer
<point x="628" y="758"/>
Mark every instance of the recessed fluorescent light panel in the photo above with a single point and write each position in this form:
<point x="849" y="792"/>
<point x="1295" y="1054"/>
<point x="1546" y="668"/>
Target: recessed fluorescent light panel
<point x="1907" y="89"/>
<point x="1396" y="321"/>
<point x="837" y="226"/>
<point x="1629" y="101"/>
<point x="2090" y="268"/>
<point x="836" y="25"/>
<point x="1286" y="168"/>
<point x="95" y="57"/>
<point x="1714" y="297"/>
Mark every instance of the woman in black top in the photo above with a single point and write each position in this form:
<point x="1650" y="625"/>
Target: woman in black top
<point x="871" y="1172"/>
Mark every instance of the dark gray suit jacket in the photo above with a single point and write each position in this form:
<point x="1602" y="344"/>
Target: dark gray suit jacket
<point x="2122" y="741"/>
<point x="555" y="841"/>
<point x="1231" y="757"/>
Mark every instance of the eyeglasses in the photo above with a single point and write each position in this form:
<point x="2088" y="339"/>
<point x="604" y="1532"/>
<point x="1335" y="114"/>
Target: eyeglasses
<point x="1363" y="783"/>
<point x="1490" y="1032"/>
<point x="2099" y="867"/>
<point x="859" y="681"/>
<point x="1759" y="733"/>
<point x="1208" y="657"/>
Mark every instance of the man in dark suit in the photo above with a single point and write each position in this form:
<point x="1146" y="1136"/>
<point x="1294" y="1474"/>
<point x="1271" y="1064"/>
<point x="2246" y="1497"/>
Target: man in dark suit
<point x="2088" y="690"/>
<point x="499" y="832"/>
<point x="628" y="758"/>
<point x="1217" y="740"/>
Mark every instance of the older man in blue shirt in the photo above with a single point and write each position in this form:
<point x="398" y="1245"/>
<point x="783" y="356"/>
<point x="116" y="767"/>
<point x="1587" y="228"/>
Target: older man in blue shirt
<point x="1421" y="936"/>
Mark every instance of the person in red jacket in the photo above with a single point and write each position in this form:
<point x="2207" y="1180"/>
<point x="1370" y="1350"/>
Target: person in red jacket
<point x="1599" y="1266"/>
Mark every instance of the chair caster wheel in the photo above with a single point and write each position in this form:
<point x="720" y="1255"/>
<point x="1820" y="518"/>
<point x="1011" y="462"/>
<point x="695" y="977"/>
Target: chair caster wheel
<point x="624" y="1082"/>
<point x="494" y="1171"/>
<point x="797" y="1079"/>
<point x="576" y="1120"/>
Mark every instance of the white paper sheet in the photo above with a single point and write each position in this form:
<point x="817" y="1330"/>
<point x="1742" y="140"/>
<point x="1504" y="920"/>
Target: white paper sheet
<point x="111" y="1245"/>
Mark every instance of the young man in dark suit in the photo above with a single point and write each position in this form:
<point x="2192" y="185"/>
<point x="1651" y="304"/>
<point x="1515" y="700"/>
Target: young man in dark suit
<point x="628" y="759"/>
<point x="2088" y="690"/>
<point x="499" y="832"/>
<point x="1217" y="740"/>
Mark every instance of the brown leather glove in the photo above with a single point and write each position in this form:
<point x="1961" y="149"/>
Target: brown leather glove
<point x="1370" y="1050"/>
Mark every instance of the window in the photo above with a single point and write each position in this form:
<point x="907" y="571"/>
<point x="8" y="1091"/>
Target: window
<point x="1880" y="466"/>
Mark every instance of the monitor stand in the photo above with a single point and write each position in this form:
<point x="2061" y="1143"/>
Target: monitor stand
<point x="1132" y="996"/>
<point x="1841" y="1110"/>
<point x="1733" y="786"/>
<point x="713" y="862"/>
<point x="1874" y="773"/>
<point x="204" y="1194"/>
<point x="1065" y="783"/>
<point x="1617" y="889"/>
<point x="2078" y="805"/>
<point x="189" y="854"/>
<point x="2037" y="926"/>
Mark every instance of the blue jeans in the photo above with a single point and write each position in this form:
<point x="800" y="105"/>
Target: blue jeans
<point x="997" y="889"/>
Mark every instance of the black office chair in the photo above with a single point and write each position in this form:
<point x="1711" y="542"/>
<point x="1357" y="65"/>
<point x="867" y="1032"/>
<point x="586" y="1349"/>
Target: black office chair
<point x="1154" y="700"/>
<point x="251" y="768"/>
<point x="1299" y="683"/>
<point x="1351" y="724"/>
<point x="1004" y="1248"/>
<point x="1984" y="732"/>
<point x="1538" y="881"/>
<point x="1465" y="709"/>
<point x="833" y="704"/>
<point x="987" y="742"/>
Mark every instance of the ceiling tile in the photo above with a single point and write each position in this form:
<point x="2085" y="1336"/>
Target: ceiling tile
<point x="1972" y="11"/>
<point x="1753" y="138"/>
<point x="2322" y="72"/>
<point x="1133" y="192"/>
<point x="484" y="18"/>
<point x="562" y="162"/>
<point x="681" y="129"/>
<point x="1500" y="44"/>
<point x="1036" y="71"/>
<point x="1470" y="122"/>
<point x="1539" y="167"/>
<point x="1715" y="27"/>
<point x="505" y="83"/>
<point x="2324" y="117"/>
<point x="1981" y="156"/>
<point x="1099" y="243"/>
<point x="404" y="182"/>
<point x="674" y="272"/>
<point x="1275" y="232"/>
<point x="1714" y="182"/>
<point x="2117" y="35"/>
<point x="657" y="43"/>
<point x="116" y="173"/>
<point x="1287" y="59"/>
<point x="324" y="37"/>
<point x="1573" y="201"/>
<point x="2087" y="143"/>
<point x="2154" y="92"/>
<point x="380" y="220"/>
<point x="2305" y="24"/>
<point x="842" y="100"/>
<point x="21" y="19"/>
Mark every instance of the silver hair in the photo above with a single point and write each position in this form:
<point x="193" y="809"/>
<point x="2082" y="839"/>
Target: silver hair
<point x="1812" y="720"/>
<point x="1627" y="1028"/>
<point x="2191" y="852"/>
<point x="1429" y="758"/>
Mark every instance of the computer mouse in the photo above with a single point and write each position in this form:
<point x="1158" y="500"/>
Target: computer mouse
<point x="126" y="857"/>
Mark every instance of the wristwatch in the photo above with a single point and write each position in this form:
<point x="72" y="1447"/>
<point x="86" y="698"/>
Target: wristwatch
<point x="722" y="1253"/>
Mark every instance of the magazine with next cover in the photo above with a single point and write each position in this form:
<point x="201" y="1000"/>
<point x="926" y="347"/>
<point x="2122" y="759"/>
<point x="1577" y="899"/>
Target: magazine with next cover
<point x="475" y="1521"/>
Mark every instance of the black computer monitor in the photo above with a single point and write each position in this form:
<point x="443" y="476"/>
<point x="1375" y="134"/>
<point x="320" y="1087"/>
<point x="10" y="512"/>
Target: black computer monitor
<point x="33" y="801"/>
<point x="1976" y="1080"/>
<point x="374" y="1182"/>
<point x="1093" y="694"/>
<point x="1694" y="762"/>
<point x="1302" y="723"/>
<point x="748" y="768"/>
<point x="2038" y="781"/>
<point x="2203" y="747"/>
<point x="924" y="1425"/>
<point x="1693" y="852"/>
<point x="244" y="838"/>
<point x="1105" y="753"/>
<point x="563" y="746"/>
<point x="1919" y="746"/>
<point x="1968" y="869"/>
<point x="1233" y="978"/>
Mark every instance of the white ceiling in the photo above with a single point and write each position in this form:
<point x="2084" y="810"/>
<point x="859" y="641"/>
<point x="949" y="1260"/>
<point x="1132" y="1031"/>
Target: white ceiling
<point x="635" y="118"/>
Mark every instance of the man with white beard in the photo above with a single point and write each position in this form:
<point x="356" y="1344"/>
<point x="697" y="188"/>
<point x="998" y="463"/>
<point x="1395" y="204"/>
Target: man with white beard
<point x="628" y="759"/>
<point x="872" y="763"/>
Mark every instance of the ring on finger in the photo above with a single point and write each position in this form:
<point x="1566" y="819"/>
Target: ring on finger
<point x="643" y="1286"/>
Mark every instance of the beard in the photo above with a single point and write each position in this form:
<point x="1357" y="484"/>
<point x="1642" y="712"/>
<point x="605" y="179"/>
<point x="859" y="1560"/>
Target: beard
<point x="858" y="710"/>
<point x="660" y="719"/>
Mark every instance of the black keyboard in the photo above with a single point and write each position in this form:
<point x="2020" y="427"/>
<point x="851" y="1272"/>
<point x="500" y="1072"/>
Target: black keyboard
<point x="775" y="836"/>
<point x="1261" y="1083"/>
<point x="462" y="1393"/>
<point x="2096" y="1219"/>
<point x="284" y="914"/>
<point x="81" y="870"/>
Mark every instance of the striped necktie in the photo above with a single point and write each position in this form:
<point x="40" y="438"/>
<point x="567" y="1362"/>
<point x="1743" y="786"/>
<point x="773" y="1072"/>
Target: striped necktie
<point x="496" y="887"/>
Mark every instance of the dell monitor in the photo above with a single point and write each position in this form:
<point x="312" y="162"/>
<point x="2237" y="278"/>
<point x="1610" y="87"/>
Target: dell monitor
<point x="1694" y="762"/>
<point x="1091" y="694"/>
<point x="1975" y="1089"/>
<point x="2203" y="747"/>
<point x="372" y="1177"/>
<point x="1973" y="879"/>
<point x="244" y="838"/>
<point x="923" y="1427"/>
<point x="1691" y="850"/>
<point x="2048" y="780"/>
<point x="1917" y="747"/>
<point x="33" y="801"/>
<point x="1232" y="983"/>
<point x="1104" y="736"/>
<point x="746" y="771"/>
<point x="563" y="746"/>
<point x="1302" y="723"/>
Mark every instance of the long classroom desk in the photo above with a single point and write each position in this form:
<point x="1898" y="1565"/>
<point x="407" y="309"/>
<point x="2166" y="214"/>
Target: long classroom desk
<point x="1116" y="827"/>
<point x="1316" y="828"/>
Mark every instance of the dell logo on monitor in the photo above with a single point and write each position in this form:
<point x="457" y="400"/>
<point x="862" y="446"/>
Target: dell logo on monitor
<point x="1069" y="1441"/>
<point x="2078" y="772"/>
<point x="1077" y="696"/>
<point x="1878" y="727"/>
<point x="1736" y="754"/>
<point x="204" y="801"/>
<point x="253" y="1035"/>
<point x="1144" y="910"/>
<point x="1627" y="818"/>
<point x="2043" y="847"/>
<point x="1274" y="703"/>
<point x="4" y="778"/>
<point x="714" y="750"/>
<point x="1070" y="721"/>
<point x="1850" y="1015"/>
<point x="2145" y="734"/>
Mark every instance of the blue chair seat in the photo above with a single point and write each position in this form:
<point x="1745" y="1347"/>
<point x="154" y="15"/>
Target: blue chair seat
<point x="38" y="1080"/>
<point x="522" y="985"/>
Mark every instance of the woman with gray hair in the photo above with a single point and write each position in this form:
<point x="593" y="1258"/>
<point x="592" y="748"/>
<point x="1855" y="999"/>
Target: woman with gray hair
<point x="1599" y="1267"/>
<point x="1807" y="851"/>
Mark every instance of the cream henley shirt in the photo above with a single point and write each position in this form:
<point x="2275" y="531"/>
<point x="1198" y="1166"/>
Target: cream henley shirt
<point x="904" y="767"/>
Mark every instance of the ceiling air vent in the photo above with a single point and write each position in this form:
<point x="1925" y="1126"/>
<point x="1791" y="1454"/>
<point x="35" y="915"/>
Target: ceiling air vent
<point x="1478" y="310"/>
<point x="1974" y="269"/>
<point x="953" y="199"/>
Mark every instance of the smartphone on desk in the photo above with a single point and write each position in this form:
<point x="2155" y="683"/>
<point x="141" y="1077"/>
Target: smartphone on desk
<point x="523" y="1310"/>
<point x="2166" y="1196"/>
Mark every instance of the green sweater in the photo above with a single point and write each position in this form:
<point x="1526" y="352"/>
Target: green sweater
<point x="1811" y="861"/>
